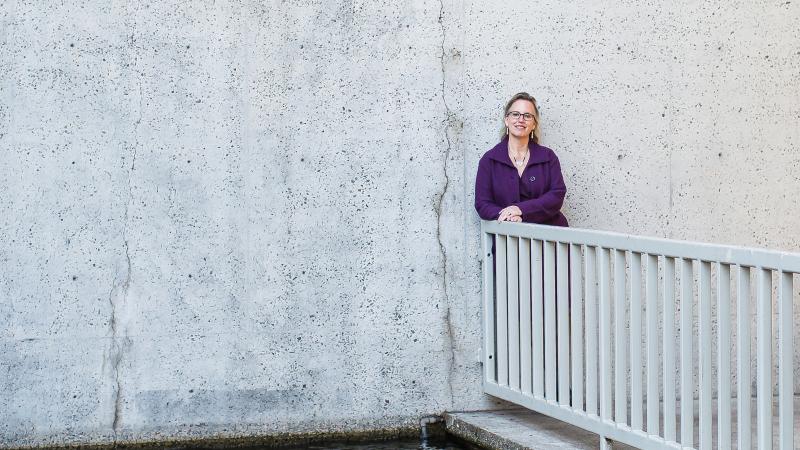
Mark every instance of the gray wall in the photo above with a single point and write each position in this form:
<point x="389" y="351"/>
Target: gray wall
<point x="256" y="217"/>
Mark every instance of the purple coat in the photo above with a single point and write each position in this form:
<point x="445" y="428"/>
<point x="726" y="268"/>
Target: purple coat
<point x="497" y="185"/>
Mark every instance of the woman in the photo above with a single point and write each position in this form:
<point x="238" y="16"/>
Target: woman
<point x="519" y="180"/>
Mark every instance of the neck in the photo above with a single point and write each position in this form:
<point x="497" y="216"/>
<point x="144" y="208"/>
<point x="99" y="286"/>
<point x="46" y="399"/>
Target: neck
<point x="518" y="145"/>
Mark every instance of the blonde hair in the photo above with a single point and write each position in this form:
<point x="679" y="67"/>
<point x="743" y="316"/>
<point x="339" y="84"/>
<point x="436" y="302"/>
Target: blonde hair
<point x="524" y="96"/>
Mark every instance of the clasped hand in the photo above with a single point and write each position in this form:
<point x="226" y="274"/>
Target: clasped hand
<point x="510" y="214"/>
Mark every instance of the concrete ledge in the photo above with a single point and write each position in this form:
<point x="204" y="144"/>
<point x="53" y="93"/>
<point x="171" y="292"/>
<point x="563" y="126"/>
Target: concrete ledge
<point x="217" y="437"/>
<point x="519" y="429"/>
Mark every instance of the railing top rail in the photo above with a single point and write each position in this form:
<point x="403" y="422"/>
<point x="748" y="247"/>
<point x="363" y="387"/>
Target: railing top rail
<point x="727" y="254"/>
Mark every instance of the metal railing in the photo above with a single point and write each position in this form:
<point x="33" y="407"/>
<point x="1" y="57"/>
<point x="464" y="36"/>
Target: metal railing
<point x="598" y="329"/>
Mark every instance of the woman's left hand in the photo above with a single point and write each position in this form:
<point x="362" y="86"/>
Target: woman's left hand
<point x="510" y="213"/>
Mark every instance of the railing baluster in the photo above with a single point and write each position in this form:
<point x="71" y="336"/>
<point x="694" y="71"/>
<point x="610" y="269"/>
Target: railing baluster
<point x="576" y="325"/>
<point x="502" y="311"/>
<point x="724" y="356"/>
<point x="687" y="365"/>
<point x="764" y="363"/>
<point x="785" y="366"/>
<point x="636" y="341"/>
<point x="537" y="318"/>
<point x="592" y="341"/>
<point x="489" y="366"/>
<point x="668" y="337"/>
<point x="704" y="354"/>
<point x="743" y="390"/>
<point x="562" y="310"/>
<point x="652" y="345"/>
<point x="605" y="334"/>
<point x="513" y="312"/>
<point x="550" y="322"/>
<point x="620" y="340"/>
<point x="525" y="314"/>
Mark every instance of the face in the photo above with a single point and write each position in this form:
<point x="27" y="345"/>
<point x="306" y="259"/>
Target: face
<point x="520" y="127"/>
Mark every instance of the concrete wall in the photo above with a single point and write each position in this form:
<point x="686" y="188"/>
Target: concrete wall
<point x="226" y="218"/>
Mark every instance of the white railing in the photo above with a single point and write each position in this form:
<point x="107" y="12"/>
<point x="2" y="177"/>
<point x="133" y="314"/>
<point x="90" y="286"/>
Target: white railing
<point x="564" y="310"/>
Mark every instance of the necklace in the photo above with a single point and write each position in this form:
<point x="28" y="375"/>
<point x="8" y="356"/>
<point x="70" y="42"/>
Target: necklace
<point x="520" y="162"/>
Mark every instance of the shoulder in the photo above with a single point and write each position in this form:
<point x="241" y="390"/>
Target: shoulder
<point x="544" y="150"/>
<point x="495" y="153"/>
<point x="543" y="154"/>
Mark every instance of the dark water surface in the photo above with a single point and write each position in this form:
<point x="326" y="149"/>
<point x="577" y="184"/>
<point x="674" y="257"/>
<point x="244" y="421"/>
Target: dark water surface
<point x="433" y="443"/>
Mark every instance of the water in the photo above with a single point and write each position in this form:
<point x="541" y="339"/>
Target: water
<point x="431" y="443"/>
<point x="433" y="436"/>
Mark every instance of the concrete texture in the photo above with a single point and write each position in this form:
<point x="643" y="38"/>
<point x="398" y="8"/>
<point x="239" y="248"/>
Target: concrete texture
<point x="243" y="215"/>
<point x="520" y="429"/>
<point x="215" y="221"/>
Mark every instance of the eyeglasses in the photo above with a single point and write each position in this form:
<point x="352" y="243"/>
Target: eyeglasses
<point x="516" y="115"/>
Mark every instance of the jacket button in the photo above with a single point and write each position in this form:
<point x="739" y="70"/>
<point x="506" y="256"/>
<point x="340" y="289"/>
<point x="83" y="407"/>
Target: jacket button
<point x="533" y="178"/>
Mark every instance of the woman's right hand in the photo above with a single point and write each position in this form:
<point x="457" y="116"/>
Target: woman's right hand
<point x="510" y="214"/>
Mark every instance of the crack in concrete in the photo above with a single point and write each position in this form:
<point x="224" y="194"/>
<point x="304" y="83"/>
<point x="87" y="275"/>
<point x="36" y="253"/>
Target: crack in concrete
<point x="119" y="292"/>
<point x="439" y="205"/>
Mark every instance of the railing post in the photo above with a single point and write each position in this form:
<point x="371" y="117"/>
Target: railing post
<point x="743" y="391"/>
<point x="785" y="366"/>
<point x="501" y="279"/>
<point x="489" y="369"/>
<point x="668" y="311"/>
<point x="562" y="329"/>
<point x="537" y="318"/>
<point x="605" y="335"/>
<point x="687" y="355"/>
<point x="512" y="266"/>
<point x="550" y="362"/>
<point x="704" y="353"/>
<point x="651" y="310"/>
<point x="764" y="363"/>
<point x="724" y="356"/>
<point x="620" y="340"/>
<point x="636" y="341"/>
<point x="525" y="321"/>
<point x="576" y="325"/>
<point x="590" y="270"/>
